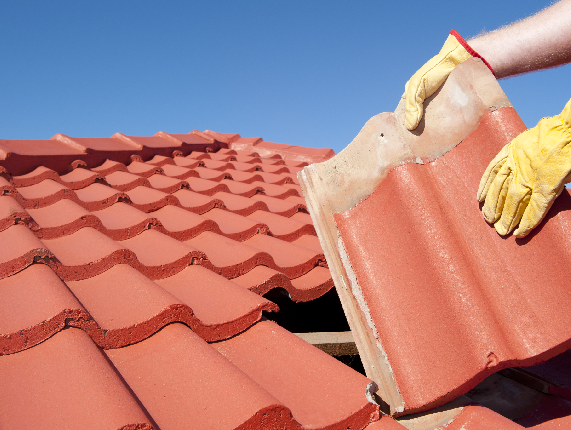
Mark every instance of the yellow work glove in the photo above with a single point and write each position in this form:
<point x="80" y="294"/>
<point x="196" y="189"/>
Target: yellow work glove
<point x="524" y="179"/>
<point x="432" y="75"/>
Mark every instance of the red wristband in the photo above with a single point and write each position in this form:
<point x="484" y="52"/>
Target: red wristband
<point x="468" y="48"/>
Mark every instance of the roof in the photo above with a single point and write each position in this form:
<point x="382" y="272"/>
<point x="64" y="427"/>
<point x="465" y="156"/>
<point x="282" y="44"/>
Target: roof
<point x="439" y="300"/>
<point x="131" y="275"/>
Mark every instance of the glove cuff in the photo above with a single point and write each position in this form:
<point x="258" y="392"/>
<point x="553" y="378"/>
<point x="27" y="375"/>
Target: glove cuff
<point x="468" y="48"/>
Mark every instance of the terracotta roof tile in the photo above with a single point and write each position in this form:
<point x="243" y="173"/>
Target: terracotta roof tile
<point x="35" y="304"/>
<point x="20" y="249"/>
<point x="35" y="177"/>
<point x="229" y="257"/>
<point x="161" y="255"/>
<point x="223" y="308"/>
<point x="212" y="175"/>
<point x="285" y="207"/>
<point x="63" y="383"/>
<point x="109" y="166"/>
<point x="444" y="300"/>
<point x="98" y="196"/>
<point x="62" y="218"/>
<point x="241" y="188"/>
<point x="124" y="181"/>
<point x="294" y="378"/>
<point x="149" y="199"/>
<point x="239" y="204"/>
<point x="197" y="203"/>
<point x="178" y="172"/>
<point x="281" y="227"/>
<point x="143" y="169"/>
<point x="167" y="185"/>
<point x="12" y="213"/>
<point x="234" y="226"/>
<point x="141" y="266"/>
<point x="206" y="187"/>
<point x="122" y="221"/>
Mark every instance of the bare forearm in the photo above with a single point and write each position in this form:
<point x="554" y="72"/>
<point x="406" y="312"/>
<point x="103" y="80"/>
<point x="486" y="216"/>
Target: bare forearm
<point x="538" y="42"/>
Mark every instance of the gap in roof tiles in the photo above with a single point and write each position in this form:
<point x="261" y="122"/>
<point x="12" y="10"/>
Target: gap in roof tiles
<point x="323" y="314"/>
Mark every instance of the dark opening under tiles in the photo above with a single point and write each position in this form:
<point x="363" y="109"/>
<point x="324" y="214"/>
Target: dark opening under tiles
<point x="149" y="199"/>
<point x="281" y="227"/>
<point x="206" y="187"/>
<point x="184" y="383"/>
<point x="292" y="260"/>
<point x="125" y="181"/>
<point x="229" y="257"/>
<point x="240" y="205"/>
<point x="122" y="221"/>
<point x="98" y="196"/>
<point x="161" y="255"/>
<point x="166" y="184"/>
<point x="284" y="207"/>
<point x="197" y="203"/>
<point x="34" y="305"/>
<point x="87" y="253"/>
<point x="127" y="306"/>
<point x="182" y="224"/>
<point x="63" y="218"/>
<point x="307" y="287"/>
<point x="12" y="213"/>
<point x="178" y="172"/>
<point x="66" y="383"/>
<point x="223" y="307"/>
<point x="143" y="169"/>
<point x="291" y="370"/>
<point x="20" y="248"/>
<point x="235" y="226"/>
<point x="241" y="188"/>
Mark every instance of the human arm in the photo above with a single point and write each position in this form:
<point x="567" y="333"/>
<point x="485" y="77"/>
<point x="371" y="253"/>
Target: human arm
<point x="538" y="42"/>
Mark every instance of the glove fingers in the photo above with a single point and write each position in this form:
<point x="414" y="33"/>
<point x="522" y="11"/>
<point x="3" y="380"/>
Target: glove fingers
<point x="516" y="202"/>
<point x="496" y="194"/>
<point x="536" y="210"/>
<point x="429" y="78"/>
<point x="491" y="171"/>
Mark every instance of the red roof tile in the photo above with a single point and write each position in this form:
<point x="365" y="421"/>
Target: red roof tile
<point x="118" y="248"/>
<point x="444" y="299"/>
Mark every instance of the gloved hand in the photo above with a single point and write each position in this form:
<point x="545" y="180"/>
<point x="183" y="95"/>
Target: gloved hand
<point x="432" y="75"/>
<point x="524" y="179"/>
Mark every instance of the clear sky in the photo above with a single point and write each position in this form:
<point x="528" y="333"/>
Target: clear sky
<point x="307" y="73"/>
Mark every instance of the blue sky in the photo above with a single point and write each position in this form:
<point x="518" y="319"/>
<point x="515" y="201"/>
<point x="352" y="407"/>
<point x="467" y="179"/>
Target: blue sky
<point x="307" y="73"/>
